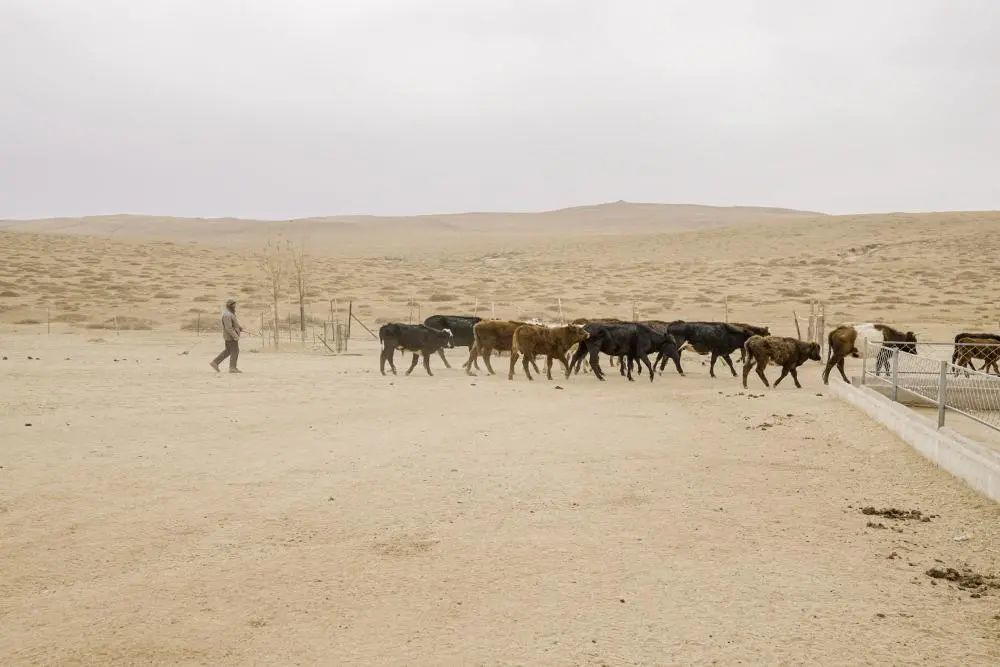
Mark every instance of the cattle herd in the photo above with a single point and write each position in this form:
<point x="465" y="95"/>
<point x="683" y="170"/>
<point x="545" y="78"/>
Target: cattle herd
<point x="630" y="345"/>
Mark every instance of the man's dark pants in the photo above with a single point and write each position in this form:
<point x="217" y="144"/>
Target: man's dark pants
<point x="232" y="351"/>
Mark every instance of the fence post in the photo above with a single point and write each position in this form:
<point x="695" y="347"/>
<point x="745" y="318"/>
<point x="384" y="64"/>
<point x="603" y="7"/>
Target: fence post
<point x="197" y="326"/>
<point x="864" y="363"/>
<point x="48" y="320"/>
<point x="942" y="392"/>
<point x="895" y="373"/>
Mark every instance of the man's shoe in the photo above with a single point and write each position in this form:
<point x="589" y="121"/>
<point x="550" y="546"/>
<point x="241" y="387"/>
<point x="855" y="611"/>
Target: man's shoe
<point x="215" y="366"/>
<point x="235" y="370"/>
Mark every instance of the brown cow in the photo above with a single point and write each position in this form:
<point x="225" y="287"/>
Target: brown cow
<point x="790" y="353"/>
<point x="970" y="348"/>
<point x="554" y="343"/>
<point x="489" y="336"/>
<point x="842" y="344"/>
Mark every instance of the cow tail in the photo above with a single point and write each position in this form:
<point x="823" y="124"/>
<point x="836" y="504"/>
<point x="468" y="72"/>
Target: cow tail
<point x="513" y="345"/>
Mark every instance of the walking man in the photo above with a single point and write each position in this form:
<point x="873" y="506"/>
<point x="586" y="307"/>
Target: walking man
<point x="231" y="331"/>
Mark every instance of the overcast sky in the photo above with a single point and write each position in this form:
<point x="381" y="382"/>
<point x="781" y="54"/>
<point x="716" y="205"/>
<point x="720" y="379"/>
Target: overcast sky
<point x="284" y="108"/>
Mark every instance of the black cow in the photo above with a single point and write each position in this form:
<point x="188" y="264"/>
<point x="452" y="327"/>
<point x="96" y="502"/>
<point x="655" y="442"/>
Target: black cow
<point x="719" y="339"/>
<point x="460" y="327"/>
<point x="986" y="336"/>
<point x="416" y="338"/>
<point x="906" y="342"/>
<point x="632" y="341"/>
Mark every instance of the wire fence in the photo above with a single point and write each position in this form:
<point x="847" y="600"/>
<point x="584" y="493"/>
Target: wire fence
<point x="946" y="385"/>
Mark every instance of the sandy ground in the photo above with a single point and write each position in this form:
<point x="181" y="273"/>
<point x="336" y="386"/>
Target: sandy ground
<point x="311" y="511"/>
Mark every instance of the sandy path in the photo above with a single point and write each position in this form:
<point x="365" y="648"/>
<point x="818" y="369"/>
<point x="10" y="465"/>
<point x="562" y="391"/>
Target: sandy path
<point x="311" y="511"/>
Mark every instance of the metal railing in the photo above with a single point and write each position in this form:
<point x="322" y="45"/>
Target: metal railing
<point x="948" y="386"/>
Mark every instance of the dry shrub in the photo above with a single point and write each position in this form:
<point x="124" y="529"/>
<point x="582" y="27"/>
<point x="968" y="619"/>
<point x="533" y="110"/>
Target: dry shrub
<point x="125" y="323"/>
<point x="204" y="297"/>
<point x="438" y="297"/>
<point x="205" y="324"/>
<point x="9" y="293"/>
<point x="164" y="295"/>
<point x="69" y="317"/>
<point x="27" y="321"/>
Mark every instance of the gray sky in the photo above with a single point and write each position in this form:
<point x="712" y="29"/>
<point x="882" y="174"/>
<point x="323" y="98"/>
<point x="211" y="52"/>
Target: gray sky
<point x="278" y="109"/>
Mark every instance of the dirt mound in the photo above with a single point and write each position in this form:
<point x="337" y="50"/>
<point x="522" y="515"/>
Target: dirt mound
<point x="966" y="579"/>
<point x="897" y="514"/>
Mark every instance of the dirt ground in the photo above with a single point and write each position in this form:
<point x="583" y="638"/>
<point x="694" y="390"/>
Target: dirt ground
<point x="311" y="511"/>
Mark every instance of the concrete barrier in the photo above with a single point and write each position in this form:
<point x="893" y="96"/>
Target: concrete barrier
<point x="976" y="464"/>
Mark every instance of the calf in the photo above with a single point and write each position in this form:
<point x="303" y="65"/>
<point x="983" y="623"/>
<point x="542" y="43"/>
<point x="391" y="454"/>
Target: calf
<point x="648" y="339"/>
<point x="611" y="338"/>
<point x="906" y="342"/>
<point x="554" y="342"/>
<point x="986" y="336"/>
<point x="842" y="343"/>
<point x="719" y="339"/>
<point x="969" y="348"/>
<point x="460" y="327"/>
<point x="790" y="353"/>
<point x="416" y="338"/>
<point x="490" y="336"/>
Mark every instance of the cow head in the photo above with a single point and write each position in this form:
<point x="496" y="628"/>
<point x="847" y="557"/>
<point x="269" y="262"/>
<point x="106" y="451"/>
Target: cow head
<point x="812" y="351"/>
<point x="448" y="337"/>
<point x="577" y="334"/>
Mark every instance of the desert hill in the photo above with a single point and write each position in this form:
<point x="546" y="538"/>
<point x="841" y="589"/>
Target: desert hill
<point x="351" y="231"/>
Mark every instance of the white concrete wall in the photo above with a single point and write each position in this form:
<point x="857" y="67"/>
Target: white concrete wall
<point x="976" y="464"/>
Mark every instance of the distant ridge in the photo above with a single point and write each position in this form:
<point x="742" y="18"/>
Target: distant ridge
<point x="594" y="219"/>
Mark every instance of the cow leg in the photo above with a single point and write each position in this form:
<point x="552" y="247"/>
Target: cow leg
<point x="524" y="364"/>
<point x="441" y="353"/>
<point x="795" y="377"/>
<point x="427" y="363"/>
<point x="761" y="365"/>
<point x="628" y="365"/>
<point x="513" y="360"/>
<point x="416" y="358"/>
<point x="747" y="367"/>
<point x="565" y="366"/>
<point x="548" y="366"/>
<point x="473" y="353"/>
<point x="729" y="361"/>
<point x="840" y="367"/>
<point x="645" y="359"/>
<point x="677" y="363"/>
<point x="784" y="372"/>
<point x="486" y="360"/>
<point x="711" y="365"/>
<point x="577" y="359"/>
<point x="830" y="363"/>
<point x="534" y="364"/>
<point x="381" y="361"/>
<point x="595" y="357"/>
<point x="388" y="355"/>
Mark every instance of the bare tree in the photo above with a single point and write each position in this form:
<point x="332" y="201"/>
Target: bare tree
<point x="301" y="265"/>
<point x="273" y="262"/>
